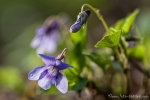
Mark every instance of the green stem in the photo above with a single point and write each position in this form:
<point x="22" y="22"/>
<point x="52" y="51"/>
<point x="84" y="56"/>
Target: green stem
<point x="124" y="65"/>
<point x="123" y="44"/>
<point x="118" y="56"/>
<point x="123" y="48"/>
<point x="127" y="82"/>
<point x="96" y="11"/>
<point x="124" y="57"/>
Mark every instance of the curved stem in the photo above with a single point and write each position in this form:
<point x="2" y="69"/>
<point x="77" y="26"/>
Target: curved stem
<point x="100" y="17"/>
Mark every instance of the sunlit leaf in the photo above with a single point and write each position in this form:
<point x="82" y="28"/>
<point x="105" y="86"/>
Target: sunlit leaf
<point x="125" y="24"/>
<point x="77" y="60"/>
<point x="129" y="21"/>
<point x="138" y="52"/>
<point x="75" y="56"/>
<point x="119" y="24"/>
<point x="110" y="40"/>
<point x="79" y="37"/>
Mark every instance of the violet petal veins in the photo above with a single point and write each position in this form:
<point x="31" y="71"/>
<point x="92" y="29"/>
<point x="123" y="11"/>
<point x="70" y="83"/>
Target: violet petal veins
<point x="61" y="83"/>
<point x="35" y="73"/>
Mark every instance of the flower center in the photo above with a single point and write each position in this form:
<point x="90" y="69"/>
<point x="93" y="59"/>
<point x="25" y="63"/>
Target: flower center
<point x="52" y="70"/>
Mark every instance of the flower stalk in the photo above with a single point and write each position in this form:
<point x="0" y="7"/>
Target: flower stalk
<point x="100" y="17"/>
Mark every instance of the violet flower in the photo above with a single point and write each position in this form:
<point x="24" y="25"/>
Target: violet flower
<point x="49" y="74"/>
<point x="47" y="37"/>
<point x="82" y="18"/>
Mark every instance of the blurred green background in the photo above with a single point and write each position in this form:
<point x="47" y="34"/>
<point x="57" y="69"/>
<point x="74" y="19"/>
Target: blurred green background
<point x="20" y="18"/>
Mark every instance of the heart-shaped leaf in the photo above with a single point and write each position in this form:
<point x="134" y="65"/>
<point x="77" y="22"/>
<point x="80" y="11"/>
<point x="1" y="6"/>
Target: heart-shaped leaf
<point x="110" y="40"/>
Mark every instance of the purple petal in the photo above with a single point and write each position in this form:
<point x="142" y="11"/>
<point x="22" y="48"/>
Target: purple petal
<point x="43" y="74"/>
<point x="45" y="83"/>
<point x="52" y="41"/>
<point x="40" y="31"/>
<point x="47" y="78"/>
<point x="35" y="42"/>
<point x="35" y="73"/>
<point x="61" y="65"/>
<point x="61" y="83"/>
<point x="49" y="42"/>
<point x="48" y="60"/>
<point x="48" y="45"/>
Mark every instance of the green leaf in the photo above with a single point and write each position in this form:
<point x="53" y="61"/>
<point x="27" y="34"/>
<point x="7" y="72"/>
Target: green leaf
<point x="138" y="52"/>
<point x="110" y="40"/>
<point x="77" y="60"/>
<point x="75" y="56"/>
<point x="129" y="21"/>
<point x="79" y="37"/>
<point x="119" y="24"/>
<point x="100" y="60"/>
<point x="79" y="84"/>
<point x="125" y="24"/>
<point x="75" y="81"/>
<point x="52" y="90"/>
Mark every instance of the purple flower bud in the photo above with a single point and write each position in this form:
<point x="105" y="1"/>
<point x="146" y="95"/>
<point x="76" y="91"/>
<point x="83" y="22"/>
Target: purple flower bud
<point x="82" y="18"/>
<point x="88" y="12"/>
<point x="49" y="74"/>
<point x="75" y="27"/>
